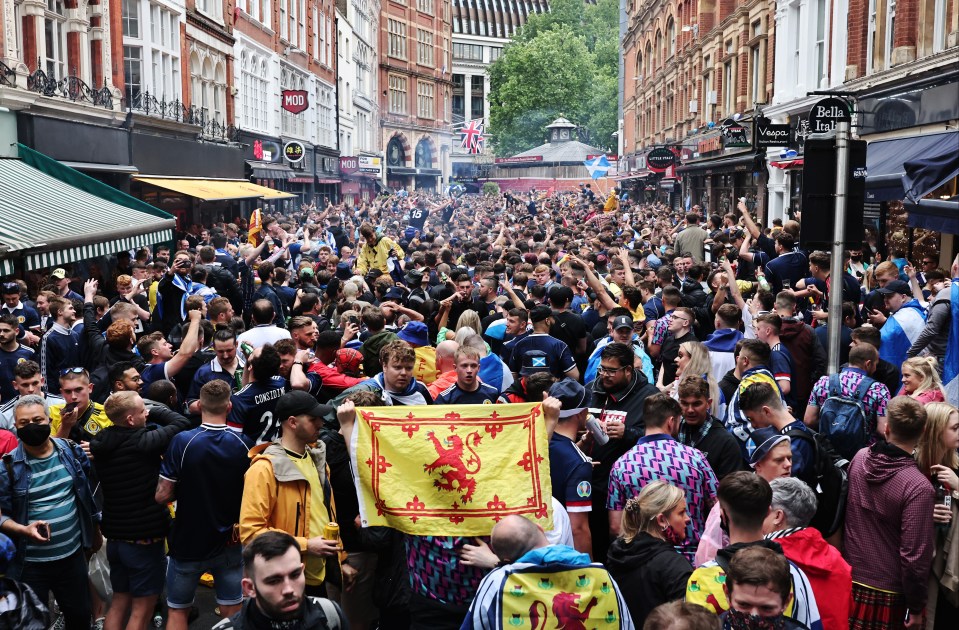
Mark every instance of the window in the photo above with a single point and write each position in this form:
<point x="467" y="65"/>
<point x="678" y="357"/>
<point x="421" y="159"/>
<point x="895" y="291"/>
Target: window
<point x="459" y="98"/>
<point x="397" y="39"/>
<point x="292" y="124"/>
<point x="755" y="75"/>
<point x="468" y="52"/>
<point x="131" y="18"/>
<point x="424" y="47"/>
<point x="890" y="32"/>
<point x="709" y="96"/>
<point x="254" y="91"/>
<point x="820" y="64"/>
<point x="259" y="10"/>
<point x="211" y="8"/>
<point x="796" y="44"/>
<point x="494" y="54"/>
<point x="477" y="96"/>
<point x="939" y="25"/>
<point x="325" y="116"/>
<point x="659" y="49"/>
<point x="425" y="6"/>
<point x="316" y="33"/>
<point x="871" y="37"/>
<point x="398" y="92"/>
<point x="54" y="53"/>
<point x="284" y="24"/>
<point x="424" y="99"/>
<point x="671" y="37"/>
<point x="133" y="73"/>
<point x="729" y="80"/>
<point x="208" y="84"/>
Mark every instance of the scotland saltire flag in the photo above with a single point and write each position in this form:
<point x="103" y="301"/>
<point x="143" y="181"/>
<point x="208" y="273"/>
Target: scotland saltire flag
<point x="900" y="331"/>
<point x="950" y="368"/>
<point x="597" y="167"/>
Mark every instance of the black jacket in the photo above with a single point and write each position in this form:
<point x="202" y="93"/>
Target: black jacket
<point x="224" y="283"/>
<point x="249" y="618"/>
<point x="127" y="462"/>
<point x="649" y="572"/>
<point x="630" y="401"/>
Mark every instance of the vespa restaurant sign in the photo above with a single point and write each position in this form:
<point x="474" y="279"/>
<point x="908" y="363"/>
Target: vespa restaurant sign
<point x="294" y="101"/>
<point x="770" y="135"/>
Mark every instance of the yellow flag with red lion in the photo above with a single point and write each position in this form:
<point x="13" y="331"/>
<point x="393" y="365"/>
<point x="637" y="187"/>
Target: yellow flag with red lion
<point x="451" y="470"/>
<point x="255" y="233"/>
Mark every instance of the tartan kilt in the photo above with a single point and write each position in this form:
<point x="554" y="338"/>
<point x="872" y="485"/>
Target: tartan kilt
<point x="876" y="610"/>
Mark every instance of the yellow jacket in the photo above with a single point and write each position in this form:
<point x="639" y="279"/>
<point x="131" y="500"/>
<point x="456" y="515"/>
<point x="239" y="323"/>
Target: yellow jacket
<point x="276" y="495"/>
<point x="376" y="256"/>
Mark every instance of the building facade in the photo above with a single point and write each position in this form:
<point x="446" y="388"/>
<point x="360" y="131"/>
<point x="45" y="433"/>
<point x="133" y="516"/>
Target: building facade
<point x="479" y="34"/>
<point x="695" y="71"/>
<point x="415" y="91"/>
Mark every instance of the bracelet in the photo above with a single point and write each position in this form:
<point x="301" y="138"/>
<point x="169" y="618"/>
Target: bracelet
<point x="298" y="363"/>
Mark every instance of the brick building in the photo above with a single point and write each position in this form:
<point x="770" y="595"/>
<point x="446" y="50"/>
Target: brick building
<point x="690" y="67"/>
<point x="415" y="88"/>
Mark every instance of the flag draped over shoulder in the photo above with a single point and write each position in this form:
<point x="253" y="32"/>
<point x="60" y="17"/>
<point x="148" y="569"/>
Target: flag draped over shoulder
<point x="950" y="368"/>
<point x="255" y="233"/>
<point x="451" y="470"/>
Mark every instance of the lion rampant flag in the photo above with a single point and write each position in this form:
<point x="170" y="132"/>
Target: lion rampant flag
<point x="451" y="470"/>
<point x="255" y="234"/>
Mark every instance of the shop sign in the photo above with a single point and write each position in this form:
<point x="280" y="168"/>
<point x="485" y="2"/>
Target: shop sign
<point x="520" y="159"/>
<point x="294" y="101"/>
<point x="770" y="135"/>
<point x="266" y="151"/>
<point x="348" y="164"/>
<point x="660" y="159"/>
<point x="710" y="144"/>
<point x="827" y="113"/>
<point x="370" y="164"/>
<point x="735" y="135"/>
<point x="294" y="151"/>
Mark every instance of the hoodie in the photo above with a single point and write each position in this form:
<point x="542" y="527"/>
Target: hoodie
<point x="936" y="331"/>
<point x="889" y="535"/>
<point x="650" y="572"/>
<point x="829" y="575"/>
<point x="809" y="361"/>
<point x="721" y="345"/>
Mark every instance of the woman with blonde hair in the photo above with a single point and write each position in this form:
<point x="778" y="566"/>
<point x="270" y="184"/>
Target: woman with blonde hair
<point x="644" y="560"/>
<point x="693" y="360"/>
<point x="920" y="380"/>
<point x="937" y="457"/>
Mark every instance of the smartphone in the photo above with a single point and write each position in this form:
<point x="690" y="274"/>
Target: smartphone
<point x="354" y="320"/>
<point x="69" y="407"/>
<point x="44" y="530"/>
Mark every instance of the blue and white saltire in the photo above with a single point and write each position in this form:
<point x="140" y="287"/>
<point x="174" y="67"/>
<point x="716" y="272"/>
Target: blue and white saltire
<point x="900" y="331"/>
<point x="597" y="167"/>
<point x="950" y="367"/>
<point x="593" y="362"/>
<point x="495" y="373"/>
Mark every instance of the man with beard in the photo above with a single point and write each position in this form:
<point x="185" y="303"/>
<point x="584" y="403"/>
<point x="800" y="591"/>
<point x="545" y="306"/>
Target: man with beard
<point x="274" y="582"/>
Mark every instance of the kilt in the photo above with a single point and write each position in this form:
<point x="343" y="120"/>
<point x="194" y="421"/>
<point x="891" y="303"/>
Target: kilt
<point x="876" y="610"/>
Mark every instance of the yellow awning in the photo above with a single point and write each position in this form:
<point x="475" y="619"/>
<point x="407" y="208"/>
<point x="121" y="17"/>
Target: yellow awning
<point x="215" y="189"/>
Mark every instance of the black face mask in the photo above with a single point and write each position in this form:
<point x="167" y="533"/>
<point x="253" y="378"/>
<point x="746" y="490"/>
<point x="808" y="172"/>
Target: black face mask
<point x="34" y="434"/>
<point x="723" y="525"/>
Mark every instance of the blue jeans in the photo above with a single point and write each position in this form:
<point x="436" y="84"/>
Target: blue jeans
<point x="227" y="570"/>
<point x="68" y="580"/>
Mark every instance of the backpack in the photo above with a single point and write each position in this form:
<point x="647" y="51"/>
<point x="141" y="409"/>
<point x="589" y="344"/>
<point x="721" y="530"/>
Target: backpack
<point x="842" y="418"/>
<point x="832" y="482"/>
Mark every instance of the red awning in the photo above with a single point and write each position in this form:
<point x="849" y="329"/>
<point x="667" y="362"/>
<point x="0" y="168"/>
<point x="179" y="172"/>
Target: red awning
<point x="787" y="164"/>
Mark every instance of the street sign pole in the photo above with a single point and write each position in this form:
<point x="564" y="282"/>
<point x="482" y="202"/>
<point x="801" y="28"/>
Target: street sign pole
<point x="839" y="236"/>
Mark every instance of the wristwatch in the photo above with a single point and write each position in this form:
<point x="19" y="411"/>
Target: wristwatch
<point x="298" y="363"/>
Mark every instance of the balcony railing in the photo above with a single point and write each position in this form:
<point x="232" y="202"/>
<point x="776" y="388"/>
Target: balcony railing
<point x="176" y="110"/>
<point x="70" y="87"/>
<point x="8" y="76"/>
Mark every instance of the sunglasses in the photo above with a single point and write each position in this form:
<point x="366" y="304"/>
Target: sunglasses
<point x="73" y="370"/>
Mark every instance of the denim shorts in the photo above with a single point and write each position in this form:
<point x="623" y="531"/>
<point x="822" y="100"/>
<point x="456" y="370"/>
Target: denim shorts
<point x="136" y="568"/>
<point x="182" y="577"/>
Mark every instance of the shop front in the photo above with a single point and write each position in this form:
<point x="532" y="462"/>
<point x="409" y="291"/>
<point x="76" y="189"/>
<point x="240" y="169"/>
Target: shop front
<point x="720" y="171"/>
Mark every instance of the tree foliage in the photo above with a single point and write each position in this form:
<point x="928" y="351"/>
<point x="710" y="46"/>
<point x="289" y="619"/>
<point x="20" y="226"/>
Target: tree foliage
<point x="564" y="62"/>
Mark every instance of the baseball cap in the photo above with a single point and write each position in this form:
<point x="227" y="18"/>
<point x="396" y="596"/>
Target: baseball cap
<point x="761" y="441"/>
<point x="571" y="394"/>
<point x="9" y="288"/>
<point x="540" y="313"/>
<point x="534" y="361"/>
<point x="59" y="273"/>
<point x="623" y="321"/>
<point x="394" y="293"/>
<point x="297" y="403"/>
<point x="896" y="286"/>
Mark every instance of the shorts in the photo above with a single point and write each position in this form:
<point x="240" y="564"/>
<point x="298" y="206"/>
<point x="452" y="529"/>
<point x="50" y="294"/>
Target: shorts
<point x="182" y="577"/>
<point x="135" y="568"/>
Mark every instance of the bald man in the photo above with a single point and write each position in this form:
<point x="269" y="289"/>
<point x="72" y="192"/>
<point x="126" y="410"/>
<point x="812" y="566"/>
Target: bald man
<point x="445" y="367"/>
<point x="523" y="544"/>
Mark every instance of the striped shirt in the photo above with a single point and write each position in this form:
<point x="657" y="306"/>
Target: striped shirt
<point x="51" y="499"/>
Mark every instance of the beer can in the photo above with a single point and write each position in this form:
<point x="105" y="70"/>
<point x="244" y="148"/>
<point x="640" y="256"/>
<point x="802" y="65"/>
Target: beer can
<point x="331" y="531"/>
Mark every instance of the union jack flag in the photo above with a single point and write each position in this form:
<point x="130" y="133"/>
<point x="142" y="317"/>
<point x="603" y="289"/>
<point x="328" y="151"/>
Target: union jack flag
<point x="473" y="136"/>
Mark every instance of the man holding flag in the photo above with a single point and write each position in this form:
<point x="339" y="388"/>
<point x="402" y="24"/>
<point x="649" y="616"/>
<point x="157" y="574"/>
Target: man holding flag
<point x="906" y="320"/>
<point x="950" y="368"/>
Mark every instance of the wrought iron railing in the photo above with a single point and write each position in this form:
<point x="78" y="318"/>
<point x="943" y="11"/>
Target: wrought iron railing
<point x="8" y="76"/>
<point x="71" y="87"/>
<point x="176" y="110"/>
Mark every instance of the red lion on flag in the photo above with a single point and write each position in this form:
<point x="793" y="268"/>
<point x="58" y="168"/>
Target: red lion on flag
<point x="460" y="470"/>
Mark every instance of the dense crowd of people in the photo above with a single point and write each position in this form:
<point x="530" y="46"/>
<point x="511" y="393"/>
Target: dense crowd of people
<point x="183" y="415"/>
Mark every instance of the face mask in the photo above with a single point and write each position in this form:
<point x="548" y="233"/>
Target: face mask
<point x="723" y="525"/>
<point x="34" y="434"/>
<point x="737" y="620"/>
<point x="857" y="258"/>
<point x="672" y="536"/>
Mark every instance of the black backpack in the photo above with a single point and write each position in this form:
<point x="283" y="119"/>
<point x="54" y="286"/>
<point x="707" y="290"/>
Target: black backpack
<point x="832" y="482"/>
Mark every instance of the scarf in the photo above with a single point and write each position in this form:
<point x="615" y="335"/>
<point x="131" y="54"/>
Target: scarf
<point x="184" y="285"/>
<point x="554" y="554"/>
<point x="409" y="397"/>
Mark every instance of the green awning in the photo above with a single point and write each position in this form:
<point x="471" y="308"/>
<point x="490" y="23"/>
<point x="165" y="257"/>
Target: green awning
<point x="54" y="215"/>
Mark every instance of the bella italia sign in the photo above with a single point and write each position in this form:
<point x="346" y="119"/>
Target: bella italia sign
<point x="828" y="112"/>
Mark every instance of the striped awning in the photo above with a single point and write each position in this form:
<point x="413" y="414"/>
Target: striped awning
<point x="49" y="222"/>
<point x="214" y="189"/>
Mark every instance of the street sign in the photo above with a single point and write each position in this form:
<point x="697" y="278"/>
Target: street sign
<point x="825" y="114"/>
<point x="294" y="151"/>
<point x="294" y="101"/>
<point x="660" y="159"/>
<point x="770" y="135"/>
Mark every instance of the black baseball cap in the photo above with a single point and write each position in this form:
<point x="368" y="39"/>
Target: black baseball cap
<point x="623" y="321"/>
<point x="540" y="313"/>
<point x="298" y="403"/>
<point x="896" y="286"/>
<point x="534" y="361"/>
